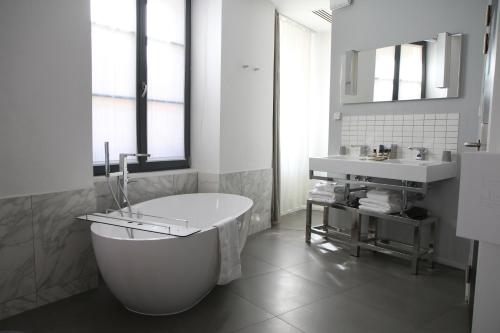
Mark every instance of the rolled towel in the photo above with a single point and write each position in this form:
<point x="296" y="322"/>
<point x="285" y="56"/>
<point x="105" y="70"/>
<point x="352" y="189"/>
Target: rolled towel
<point x="331" y="198"/>
<point x="384" y="205"/>
<point x="331" y="187"/>
<point x="316" y="191"/>
<point x="376" y="209"/>
<point x="322" y="198"/>
<point x="383" y="195"/>
<point x="373" y="202"/>
<point x="324" y="189"/>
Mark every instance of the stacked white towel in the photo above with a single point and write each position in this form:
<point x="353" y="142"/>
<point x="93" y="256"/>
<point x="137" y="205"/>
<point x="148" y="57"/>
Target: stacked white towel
<point x="327" y="192"/>
<point x="381" y="201"/>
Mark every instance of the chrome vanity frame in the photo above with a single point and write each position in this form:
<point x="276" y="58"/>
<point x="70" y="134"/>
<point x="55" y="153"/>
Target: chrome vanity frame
<point x="355" y="240"/>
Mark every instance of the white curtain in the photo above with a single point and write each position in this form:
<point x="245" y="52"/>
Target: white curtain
<point x="304" y="108"/>
<point x="295" y="53"/>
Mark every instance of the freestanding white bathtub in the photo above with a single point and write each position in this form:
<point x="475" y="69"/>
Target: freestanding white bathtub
<point x="156" y="274"/>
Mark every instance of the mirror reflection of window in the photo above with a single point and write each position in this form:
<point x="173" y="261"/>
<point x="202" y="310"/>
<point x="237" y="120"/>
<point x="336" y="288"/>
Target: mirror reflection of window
<point x="410" y="72"/>
<point x="384" y="74"/>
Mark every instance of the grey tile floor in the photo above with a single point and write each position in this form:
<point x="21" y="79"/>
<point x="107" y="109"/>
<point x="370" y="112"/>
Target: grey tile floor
<point x="287" y="286"/>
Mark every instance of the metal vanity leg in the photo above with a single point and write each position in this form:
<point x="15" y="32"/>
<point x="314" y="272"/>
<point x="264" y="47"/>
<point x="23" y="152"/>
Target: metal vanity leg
<point x="325" y="220"/>
<point x="416" y="249"/>
<point x="374" y="223"/>
<point x="431" y="245"/>
<point x="355" y="233"/>
<point x="308" y="221"/>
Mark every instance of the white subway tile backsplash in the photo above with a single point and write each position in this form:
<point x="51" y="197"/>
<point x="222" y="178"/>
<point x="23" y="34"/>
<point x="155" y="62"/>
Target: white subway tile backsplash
<point x="428" y="128"/>
<point x="436" y="132"/>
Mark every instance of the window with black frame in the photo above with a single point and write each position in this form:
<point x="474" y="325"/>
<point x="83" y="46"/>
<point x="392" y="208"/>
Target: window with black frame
<point x="140" y="82"/>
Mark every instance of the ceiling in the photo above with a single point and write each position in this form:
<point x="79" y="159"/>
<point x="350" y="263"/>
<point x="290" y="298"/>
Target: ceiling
<point x="302" y="11"/>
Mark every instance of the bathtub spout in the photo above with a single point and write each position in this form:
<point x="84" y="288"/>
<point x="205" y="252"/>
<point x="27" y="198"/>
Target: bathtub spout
<point x="123" y="179"/>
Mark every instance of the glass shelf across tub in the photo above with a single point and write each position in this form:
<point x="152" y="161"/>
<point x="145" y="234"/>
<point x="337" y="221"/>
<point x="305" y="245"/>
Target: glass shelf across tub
<point x="144" y="222"/>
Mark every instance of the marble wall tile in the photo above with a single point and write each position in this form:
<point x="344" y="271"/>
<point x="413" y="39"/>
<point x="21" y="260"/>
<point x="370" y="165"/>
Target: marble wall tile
<point x="260" y="221"/>
<point x="17" y="273"/>
<point x="104" y="199"/>
<point x="256" y="185"/>
<point x="208" y="183"/>
<point x="17" y="305"/>
<point x="147" y="188"/>
<point x="185" y="183"/>
<point x="53" y="294"/>
<point x="15" y="206"/>
<point x="63" y="249"/>
<point x="230" y="183"/>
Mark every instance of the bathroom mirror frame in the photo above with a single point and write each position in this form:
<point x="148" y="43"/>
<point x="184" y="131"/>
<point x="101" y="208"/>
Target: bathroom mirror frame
<point x="395" y="73"/>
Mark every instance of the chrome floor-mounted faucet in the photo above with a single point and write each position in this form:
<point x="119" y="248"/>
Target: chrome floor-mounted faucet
<point x="122" y="178"/>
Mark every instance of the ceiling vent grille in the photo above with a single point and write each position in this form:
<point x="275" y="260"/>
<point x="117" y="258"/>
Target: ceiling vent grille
<point x="324" y="14"/>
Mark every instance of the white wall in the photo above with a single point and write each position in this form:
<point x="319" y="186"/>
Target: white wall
<point x="369" y="24"/>
<point x="205" y="84"/>
<point x="45" y="96"/>
<point x="232" y="107"/>
<point x="247" y="95"/>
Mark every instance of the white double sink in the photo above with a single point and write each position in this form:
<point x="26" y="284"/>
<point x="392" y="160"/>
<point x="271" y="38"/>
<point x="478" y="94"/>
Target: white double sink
<point x="410" y="170"/>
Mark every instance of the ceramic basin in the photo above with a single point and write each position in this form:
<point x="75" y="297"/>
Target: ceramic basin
<point x="399" y="169"/>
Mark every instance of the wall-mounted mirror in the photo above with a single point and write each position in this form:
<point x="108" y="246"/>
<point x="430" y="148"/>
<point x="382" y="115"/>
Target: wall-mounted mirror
<point x="411" y="71"/>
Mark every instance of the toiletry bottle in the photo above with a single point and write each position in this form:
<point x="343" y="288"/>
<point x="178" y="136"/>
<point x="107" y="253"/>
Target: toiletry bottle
<point x="381" y="150"/>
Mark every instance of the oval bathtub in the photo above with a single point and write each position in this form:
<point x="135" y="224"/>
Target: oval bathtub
<point x="158" y="274"/>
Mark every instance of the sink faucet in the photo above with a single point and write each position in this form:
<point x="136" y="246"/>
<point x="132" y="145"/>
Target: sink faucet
<point x="421" y="152"/>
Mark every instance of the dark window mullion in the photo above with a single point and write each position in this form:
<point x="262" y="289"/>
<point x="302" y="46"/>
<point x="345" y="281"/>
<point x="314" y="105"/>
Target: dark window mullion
<point x="187" y="85"/>
<point x="142" y="144"/>
<point x="397" y="61"/>
<point x="424" y="69"/>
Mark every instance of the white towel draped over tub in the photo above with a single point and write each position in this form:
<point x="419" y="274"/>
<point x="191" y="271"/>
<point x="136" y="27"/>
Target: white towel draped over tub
<point x="229" y="251"/>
